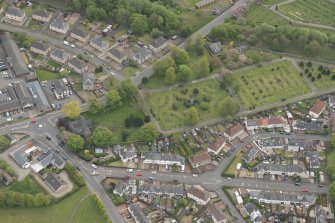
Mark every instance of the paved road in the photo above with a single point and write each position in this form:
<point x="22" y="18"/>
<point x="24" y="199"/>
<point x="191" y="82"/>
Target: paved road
<point x="203" y="31"/>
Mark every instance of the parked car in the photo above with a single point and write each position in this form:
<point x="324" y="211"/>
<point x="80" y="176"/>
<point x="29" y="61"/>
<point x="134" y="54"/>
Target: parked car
<point x="305" y="190"/>
<point x="138" y="174"/>
<point x="48" y="137"/>
<point x="130" y="170"/>
<point x="94" y="166"/>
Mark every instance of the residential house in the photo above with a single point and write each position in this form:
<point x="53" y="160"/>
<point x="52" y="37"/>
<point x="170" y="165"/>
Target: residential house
<point x="271" y="143"/>
<point x="307" y="126"/>
<point x="158" y="44"/>
<point x="164" y="159"/>
<point x="16" y="14"/>
<point x="59" y="26"/>
<point x="46" y="159"/>
<point x="55" y="182"/>
<point x="13" y="55"/>
<point x="270" y="123"/>
<point x="287" y="199"/>
<point x="215" y="47"/>
<point x="117" y="55"/>
<point x="59" y="55"/>
<point x="88" y="81"/>
<point x="42" y="15"/>
<point x="216" y="213"/>
<point x="80" y="35"/>
<point x="251" y="153"/>
<point x="320" y="214"/>
<point x="317" y="109"/>
<point x="141" y="55"/>
<point x="40" y="48"/>
<point x="21" y="159"/>
<point x="120" y="188"/>
<point x="205" y="3"/>
<point x="331" y="101"/>
<point x="233" y="132"/>
<point x="78" y="65"/>
<point x="81" y="126"/>
<point x="127" y="154"/>
<point x="217" y="146"/>
<point x="200" y="159"/>
<point x="200" y="196"/>
<point x="281" y="169"/>
<point x="16" y="97"/>
<point x="98" y="43"/>
<point x="61" y="90"/>
<point x="296" y="145"/>
<point x="137" y="214"/>
<point x="166" y="190"/>
<point x="313" y="158"/>
<point x="254" y="214"/>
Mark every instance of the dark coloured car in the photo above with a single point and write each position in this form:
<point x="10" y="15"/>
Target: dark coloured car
<point x="48" y="137"/>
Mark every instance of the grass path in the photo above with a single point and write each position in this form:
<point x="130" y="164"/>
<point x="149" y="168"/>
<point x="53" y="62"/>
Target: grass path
<point x="75" y="209"/>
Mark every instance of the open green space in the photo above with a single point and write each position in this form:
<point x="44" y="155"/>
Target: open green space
<point x="271" y="2"/>
<point x="88" y="212"/>
<point x="258" y="14"/>
<point x="57" y="213"/>
<point x="44" y="75"/>
<point x="169" y="105"/>
<point x="115" y="120"/>
<point x="320" y="79"/>
<point x="28" y="186"/>
<point x="53" y="63"/>
<point x="232" y="167"/>
<point x="268" y="84"/>
<point x="129" y="72"/>
<point x="318" y="12"/>
<point x="331" y="163"/>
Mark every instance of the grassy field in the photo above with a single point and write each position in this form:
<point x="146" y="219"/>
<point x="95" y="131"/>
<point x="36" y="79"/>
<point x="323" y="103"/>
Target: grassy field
<point x="331" y="163"/>
<point x="44" y="75"/>
<point x="169" y="108"/>
<point x="232" y="168"/>
<point x="88" y="212"/>
<point x="114" y="120"/>
<point x="260" y="14"/>
<point x="318" y="12"/>
<point x="271" y="2"/>
<point x="57" y="213"/>
<point x="54" y="63"/>
<point x="268" y="84"/>
<point x="324" y="81"/>
<point x="28" y="186"/>
<point x="129" y="72"/>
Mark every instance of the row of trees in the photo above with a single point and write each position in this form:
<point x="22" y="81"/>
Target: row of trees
<point x="17" y="199"/>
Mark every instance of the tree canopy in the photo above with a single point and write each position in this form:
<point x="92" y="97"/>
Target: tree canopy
<point x="113" y="100"/>
<point x="148" y="132"/>
<point x="192" y="115"/>
<point x="75" y="143"/>
<point x="72" y="109"/>
<point x="96" y="106"/>
<point x="103" y="137"/>
<point x="4" y="143"/>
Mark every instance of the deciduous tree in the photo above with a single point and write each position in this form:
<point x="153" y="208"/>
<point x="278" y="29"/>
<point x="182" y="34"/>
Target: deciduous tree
<point x="113" y="99"/>
<point x="72" y="109"/>
<point x="75" y="142"/>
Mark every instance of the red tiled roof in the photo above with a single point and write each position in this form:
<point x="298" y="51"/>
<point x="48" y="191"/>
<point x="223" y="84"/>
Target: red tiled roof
<point x="262" y="122"/>
<point x="273" y="120"/>
<point x="318" y="107"/>
<point x="200" y="157"/>
<point x="217" y="144"/>
<point x="233" y="130"/>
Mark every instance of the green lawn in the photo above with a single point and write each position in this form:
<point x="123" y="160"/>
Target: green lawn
<point x="318" y="12"/>
<point x="57" y="213"/>
<point x="55" y="64"/>
<point x="27" y="186"/>
<point x="169" y="108"/>
<point x="88" y="212"/>
<point x="268" y="84"/>
<point x="260" y="14"/>
<point x="271" y="2"/>
<point x="324" y="81"/>
<point x="232" y="168"/>
<point x="44" y="75"/>
<point x="114" y="120"/>
<point x="331" y="163"/>
<point x="129" y="72"/>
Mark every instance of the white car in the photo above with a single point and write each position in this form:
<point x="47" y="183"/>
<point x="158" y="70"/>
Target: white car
<point x="66" y="43"/>
<point x="72" y="45"/>
<point x="130" y="170"/>
<point x="112" y="73"/>
<point x="40" y="125"/>
<point x="94" y="173"/>
<point x="153" y="172"/>
<point x="195" y="175"/>
<point x="94" y="166"/>
<point x="9" y="119"/>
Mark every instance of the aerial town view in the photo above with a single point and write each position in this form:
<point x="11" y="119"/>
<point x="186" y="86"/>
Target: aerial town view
<point x="167" y="111"/>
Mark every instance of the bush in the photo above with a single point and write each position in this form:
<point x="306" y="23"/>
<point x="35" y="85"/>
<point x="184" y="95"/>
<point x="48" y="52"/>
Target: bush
<point x="74" y="175"/>
<point x="85" y="156"/>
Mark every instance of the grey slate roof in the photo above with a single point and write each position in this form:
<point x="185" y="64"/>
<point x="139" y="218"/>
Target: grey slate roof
<point x="61" y="54"/>
<point x="100" y="42"/>
<point x="141" y="53"/>
<point x="215" y="47"/>
<point x="80" y="32"/>
<point x="163" y="156"/>
<point x="280" y="168"/>
<point x="60" y="86"/>
<point x="42" y="13"/>
<point x="81" y="126"/>
<point x="88" y="79"/>
<point x="313" y="159"/>
<point x="14" y="55"/>
<point x="120" y="187"/>
<point x="125" y="153"/>
<point x="117" y="53"/>
<point x="251" y="153"/>
<point x="158" y="42"/>
<point x="50" y="157"/>
<point x="271" y="142"/>
<point x="320" y="214"/>
<point x="60" y="24"/>
<point x="20" y="158"/>
<point x="77" y="63"/>
<point x="40" y="45"/>
<point x="41" y="100"/>
<point x="15" y="11"/>
<point x="309" y="126"/>
<point x="137" y="213"/>
<point x="54" y="181"/>
<point x="203" y="2"/>
<point x="165" y="189"/>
